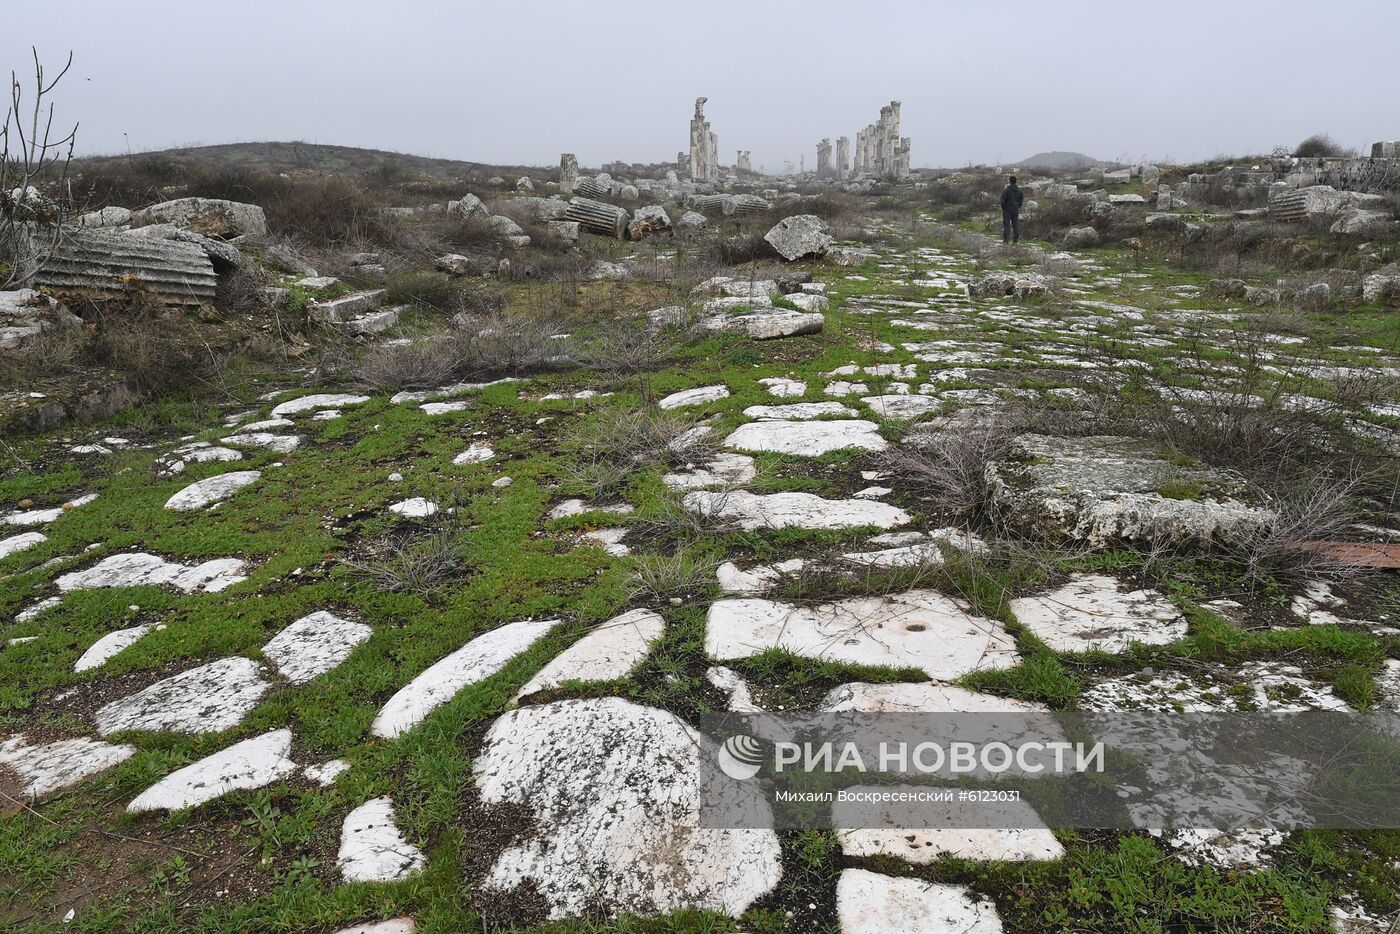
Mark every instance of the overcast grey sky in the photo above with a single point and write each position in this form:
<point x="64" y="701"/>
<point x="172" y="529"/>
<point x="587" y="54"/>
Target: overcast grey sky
<point x="519" y="82"/>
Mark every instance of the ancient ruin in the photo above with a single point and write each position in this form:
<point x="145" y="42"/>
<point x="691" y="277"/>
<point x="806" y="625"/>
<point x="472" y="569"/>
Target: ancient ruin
<point x="704" y="147"/>
<point x="394" y="543"/>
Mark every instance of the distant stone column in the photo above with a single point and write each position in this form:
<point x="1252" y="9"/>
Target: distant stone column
<point x="843" y="156"/>
<point x="700" y="141"/>
<point x="568" y="173"/>
<point x="824" y="157"/>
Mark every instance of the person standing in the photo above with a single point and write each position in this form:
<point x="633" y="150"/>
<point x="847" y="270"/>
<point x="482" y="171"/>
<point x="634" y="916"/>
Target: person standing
<point x="1011" y="198"/>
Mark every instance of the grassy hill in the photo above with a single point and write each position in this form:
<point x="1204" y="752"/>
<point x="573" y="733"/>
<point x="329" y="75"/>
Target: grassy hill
<point x="299" y="157"/>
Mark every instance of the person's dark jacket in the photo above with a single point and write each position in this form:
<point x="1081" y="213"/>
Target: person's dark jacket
<point x="1011" y="198"/>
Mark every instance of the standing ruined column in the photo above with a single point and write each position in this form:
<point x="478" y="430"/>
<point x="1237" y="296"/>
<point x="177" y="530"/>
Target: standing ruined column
<point x="843" y="156"/>
<point x="701" y="140"/>
<point x="568" y="173"/>
<point x="824" y="157"/>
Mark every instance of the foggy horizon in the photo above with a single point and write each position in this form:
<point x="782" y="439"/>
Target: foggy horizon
<point x="518" y="86"/>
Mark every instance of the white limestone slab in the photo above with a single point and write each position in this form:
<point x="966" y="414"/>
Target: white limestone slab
<point x="807" y="439"/>
<point x="577" y="507"/>
<point x="902" y="407"/>
<point x="698" y="396"/>
<point x="740" y="695"/>
<point x="610" y="540"/>
<point x="1262" y="686"/>
<point x="17" y="543"/>
<point x="37" y="609"/>
<point x="45" y="516"/>
<point x="1030" y="842"/>
<point x="314" y="644"/>
<point x="474" y="454"/>
<point x="371" y="847"/>
<point x="919" y="629"/>
<point x="417" y="507"/>
<point x="109" y="645"/>
<point x="607" y="653"/>
<point x="44" y="768"/>
<point x="137" y="569"/>
<point x="784" y="388"/>
<point x="281" y="444"/>
<point x="870" y="903"/>
<point x="207" y="699"/>
<point x="614" y="787"/>
<point x="325" y="773"/>
<point x="1093" y="611"/>
<point x="253" y="763"/>
<point x="323" y="400"/>
<point x="799" y="411"/>
<point x="211" y="490"/>
<point x="392" y="926"/>
<point x="445" y="408"/>
<point x="267" y="424"/>
<point x="919" y="697"/>
<point x="841" y="388"/>
<point x="476" y="661"/>
<point x="447" y="392"/>
<point x="725" y="469"/>
<point x="754" y="511"/>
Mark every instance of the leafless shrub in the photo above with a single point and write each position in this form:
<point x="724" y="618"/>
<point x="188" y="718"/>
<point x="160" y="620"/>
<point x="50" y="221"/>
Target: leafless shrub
<point x="31" y="224"/>
<point x="414" y="563"/>
<point x="1310" y="509"/>
<point x="622" y="441"/>
<point x="49" y="353"/>
<point x="948" y="460"/>
<point x="482" y="347"/>
<point x="663" y="576"/>
<point x="627" y="347"/>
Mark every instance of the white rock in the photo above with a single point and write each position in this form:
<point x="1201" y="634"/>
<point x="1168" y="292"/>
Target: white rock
<point x="371" y="847"/>
<point x="444" y="408"/>
<point x="902" y="407"/>
<point x="474" y="454"/>
<point x="798" y="411"/>
<point x="267" y="424"/>
<point x="697" y="396"/>
<point x="610" y="540"/>
<point x="314" y="645"/>
<point x="807" y="439"/>
<point x="783" y="387"/>
<point x="476" y="661"/>
<point x="919" y="629"/>
<point x="253" y="763"/>
<point x="212" y="490"/>
<point x="327" y="772"/>
<point x="607" y="653"/>
<point x="281" y="444"/>
<point x="1030" y="841"/>
<point x="45" y="516"/>
<point x="577" y="507"/>
<point x="798" y="236"/>
<point x="1260" y="686"/>
<point x="137" y="569"/>
<point x="614" y="787"/>
<point x="393" y="926"/>
<point x="919" y="697"/>
<point x="207" y="699"/>
<point x="17" y="543"/>
<point x="317" y="401"/>
<point x="725" y="469"/>
<point x="870" y="903"/>
<point x="44" y="768"/>
<point x="417" y="507"/>
<point x="733" y="685"/>
<point x="753" y="511"/>
<point x="1093" y="611"/>
<point x="109" y="645"/>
